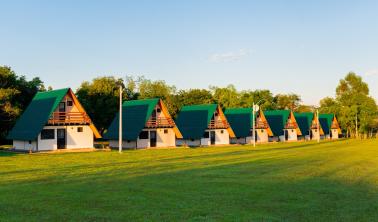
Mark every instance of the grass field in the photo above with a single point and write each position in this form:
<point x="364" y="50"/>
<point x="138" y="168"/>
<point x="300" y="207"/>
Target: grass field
<point x="331" y="181"/>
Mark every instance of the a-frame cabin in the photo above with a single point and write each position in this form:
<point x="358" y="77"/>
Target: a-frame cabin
<point x="53" y="120"/>
<point x="283" y="124"/>
<point x="308" y="123"/>
<point x="330" y="126"/>
<point x="241" y="122"/>
<point x="145" y="123"/>
<point x="203" y="125"/>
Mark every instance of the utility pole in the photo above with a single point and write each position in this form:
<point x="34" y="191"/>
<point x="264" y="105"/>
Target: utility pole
<point x="318" y="124"/>
<point x="120" y="121"/>
<point x="253" y="125"/>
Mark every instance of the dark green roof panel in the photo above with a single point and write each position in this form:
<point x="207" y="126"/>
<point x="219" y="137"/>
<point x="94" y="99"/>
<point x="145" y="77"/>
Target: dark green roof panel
<point x="304" y="121"/>
<point x="240" y="120"/>
<point x="135" y="114"/>
<point x="277" y="120"/>
<point x="192" y="121"/>
<point x="326" y="122"/>
<point x="36" y="115"/>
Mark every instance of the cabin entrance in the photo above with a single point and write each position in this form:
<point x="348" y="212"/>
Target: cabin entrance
<point x="212" y="137"/>
<point x="153" y="139"/>
<point x="61" y="138"/>
<point x="286" y="135"/>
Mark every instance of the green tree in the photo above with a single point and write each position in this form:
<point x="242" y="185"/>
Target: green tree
<point x="263" y="97"/>
<point x="100" y="98"/>
<point x="191" y="97"/>
<point x="287" y="101"/>
<point x="157" y="89"/>
<point x="226" y="97"/>
<point x="352" y="103"/>
<point x="15" y="95"/>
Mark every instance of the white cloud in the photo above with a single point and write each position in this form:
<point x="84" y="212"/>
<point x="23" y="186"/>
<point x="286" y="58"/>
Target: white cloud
<point x="229" y="56"/>
<point x="372" y="72"/>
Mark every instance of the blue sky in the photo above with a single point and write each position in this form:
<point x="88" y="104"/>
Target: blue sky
<point x="303" y="47"/>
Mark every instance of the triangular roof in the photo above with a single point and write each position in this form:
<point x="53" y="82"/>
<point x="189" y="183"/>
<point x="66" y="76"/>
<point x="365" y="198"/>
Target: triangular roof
<point x="193" y="120"/>
<point x="326" y="121"/>
<point x="304" y="121"/>
<point x="36" y="115"/>
<point x="135" y="114"/>
<point x="277" y="120"/>
<point x="240" y="120"/>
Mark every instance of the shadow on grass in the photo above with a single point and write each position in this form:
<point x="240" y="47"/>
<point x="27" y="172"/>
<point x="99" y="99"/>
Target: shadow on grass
<point x="6" y="153"/>
<point x="250" y="191"/>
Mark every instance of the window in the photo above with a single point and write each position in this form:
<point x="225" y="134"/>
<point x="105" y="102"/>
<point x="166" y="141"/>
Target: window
<point x="165" y="131"/>
<point x="158" y="110"/>
<point x="206" y="135"/>
<point x="292" y="131"/>
<point x="143" y="135"/>
<point x="262" y="131"/>
<point x="222" y="131"/>
<point x="69" y="103"/>
<point x="47" y="134"/>
<point x="80" y="129"/>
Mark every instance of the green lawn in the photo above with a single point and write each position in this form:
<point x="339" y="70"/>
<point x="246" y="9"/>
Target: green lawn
<point x="331" y="181"/>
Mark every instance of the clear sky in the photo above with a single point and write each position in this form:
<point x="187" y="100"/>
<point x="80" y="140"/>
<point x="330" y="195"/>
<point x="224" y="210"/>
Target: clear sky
<point x="303" y="47"/>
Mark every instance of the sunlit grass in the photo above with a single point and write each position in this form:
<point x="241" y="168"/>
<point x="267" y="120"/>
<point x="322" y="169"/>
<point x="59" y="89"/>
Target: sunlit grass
<point x="331" y="181"/>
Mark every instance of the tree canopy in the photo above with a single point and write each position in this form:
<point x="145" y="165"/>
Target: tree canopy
<point x="15" y="94"/>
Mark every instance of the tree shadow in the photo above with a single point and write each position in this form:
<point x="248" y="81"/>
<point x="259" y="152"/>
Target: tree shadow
<point x="252" y="190"/>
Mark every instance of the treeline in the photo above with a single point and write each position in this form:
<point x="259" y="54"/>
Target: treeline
<point x="100" y="98"/>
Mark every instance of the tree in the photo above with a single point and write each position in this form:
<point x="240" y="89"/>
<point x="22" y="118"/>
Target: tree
<point x="287" y="101"/>
<point x="352" y="101"/>
<point x="226" y="97"/>
<point x="263" y="97"/>
<point x="149" y="89"/>
<point x="100" y="98"/>
<point x="191" y="97"/>
<point x="15" y="95"/>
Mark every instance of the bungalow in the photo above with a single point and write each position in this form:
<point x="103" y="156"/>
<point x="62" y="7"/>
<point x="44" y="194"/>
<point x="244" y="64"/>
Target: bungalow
<point x="53" y="120"/>
<point x="283" y="124"/>
<point x="240" y="120"/>
<point x="203" y="125"/>
<point x="145" y="123"/>
<point x="330" y="126"/>
<point x="308" y="123"/>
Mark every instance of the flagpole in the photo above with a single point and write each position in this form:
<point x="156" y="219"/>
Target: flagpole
<point x="120" y="121"/>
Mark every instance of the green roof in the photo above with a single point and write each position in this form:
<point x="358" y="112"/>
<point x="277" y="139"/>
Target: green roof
<point x="326" y="122"/>
<point x="135" y="114"/>
<point x="36" y="115"/>
<point x="192" y="121"/>
<point x="240" y="120"/>
<point x="304" y="121"/>
<point x="277" y="120"/>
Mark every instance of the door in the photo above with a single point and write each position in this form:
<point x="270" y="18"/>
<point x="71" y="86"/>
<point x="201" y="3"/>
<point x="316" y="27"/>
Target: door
<point x="212" y="137"/>
<point x="62" y="110"/>
<point x="286" y="135"/>
<point x="152" y="138"/>
<point x="61" y="138"/>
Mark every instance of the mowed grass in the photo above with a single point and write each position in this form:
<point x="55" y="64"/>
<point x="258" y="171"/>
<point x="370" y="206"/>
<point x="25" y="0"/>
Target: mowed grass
<point x="331" y="181"/>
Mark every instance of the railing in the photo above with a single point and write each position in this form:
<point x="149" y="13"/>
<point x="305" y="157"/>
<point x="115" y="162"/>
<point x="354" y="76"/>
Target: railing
<point x="218" y="124"/>
<point x="291" y="125"/>
<point x="260" y="124"/>
<point x="160" y="122"/>
<point x="58" y="118"/>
